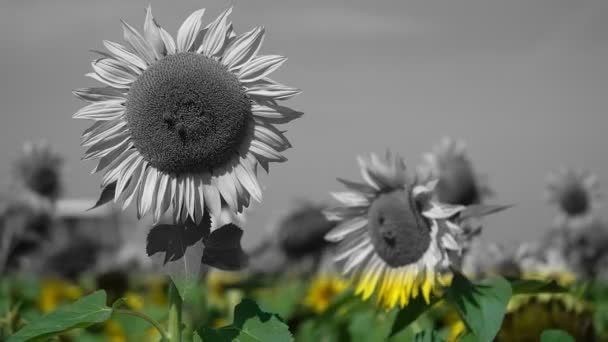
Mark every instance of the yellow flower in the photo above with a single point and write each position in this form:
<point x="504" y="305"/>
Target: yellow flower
<point x="134" y="301"/>
<point x="114" y="332"/>
<point x="55" y="291"/>
<point x="218" y="285"/>
<point x="323" y="290"/>
<point x="529" y="315"/>
<point x="392" y="237"/>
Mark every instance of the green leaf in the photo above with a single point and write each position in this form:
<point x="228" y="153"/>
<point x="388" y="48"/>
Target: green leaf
<point x="370" y="326"/>
<point x="482" y="306"/>
<point x="527" y="286"/>
<point x="250" y="324"/>
<point x="427" y="336"/>
<point x="556" y="336"/>
<point x="84" y="312"/>
<point x="283" y="299"/>
<point x="416" y="307"/>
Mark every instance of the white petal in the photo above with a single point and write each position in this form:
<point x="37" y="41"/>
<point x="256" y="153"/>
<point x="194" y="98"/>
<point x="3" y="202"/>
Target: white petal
<point x="227" y="189"/>
<point x="274" y="113"/>
<point x="243" y="48"/>
<point x="148" y="194"/>
<point x="191" y="196"/>
<point x="442" y="211"/>
<point x="345" y="228"/>
<point x="111" y="156"/>
<point x="249" y="181"/>
<point x="214" y="39"/>
<point x="448" y="242"/>
<point x="273" y="92"/>
<point x="162" y="198"/>
<point x="113" y="71"/>
<point x="138" y="43"/>
<point x="133" y="187"/>
<point x="212" y="200"/>
<point x="128" y="167"/>
<point x="99" y="95"/>
<point x="200" y="200"/>
<point x="271" y="136"/>
<point x="101" y="111"/>
<point x="98" y="78"/>
<point x="266" y="151"/>
<point x="122" y="54"/>
<point x="153" y="35"/>
<point x="189" y="30"/>
<point x="260" y="67"/>
<point x="351" y="198"/>
<point x="357" y="258"/>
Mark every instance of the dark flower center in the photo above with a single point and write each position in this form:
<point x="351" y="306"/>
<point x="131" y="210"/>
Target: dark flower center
<point x="457" y="183"/>
<point x="45" y="182"/>
<point x="399" y="233"/>
<point x="187" y="113"/>
<point x="574" y="200"/>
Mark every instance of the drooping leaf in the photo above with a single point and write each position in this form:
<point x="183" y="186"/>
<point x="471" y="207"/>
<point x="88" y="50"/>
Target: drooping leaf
<point x="481" y="210"/>
<point x="556" y="336"/>
<point x="175" y="239"/>
<point x="416" y="307"/>
<point x="481" y="306"/>
<point x="529" y="286"/>
<point x="107" y="195"/>
<point x="85" y="312"/>
<point x="250" y="324"/>
<point x="223" y="249"/>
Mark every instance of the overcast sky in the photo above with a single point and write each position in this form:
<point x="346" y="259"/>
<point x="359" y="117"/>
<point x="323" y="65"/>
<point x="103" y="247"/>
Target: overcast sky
<point x="524" y="82"/>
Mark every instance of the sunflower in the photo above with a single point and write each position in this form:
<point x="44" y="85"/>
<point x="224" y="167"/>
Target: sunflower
<point x="458" y="182"/>
<point x="38" y="169"/>
<point x="529" y="315"/>
<point x="181" y="125"/>
<point x="324" y="288"/>
<point x="546" y="263"/>
<point x="576" y="193"/>
<point x="392" y="237"/>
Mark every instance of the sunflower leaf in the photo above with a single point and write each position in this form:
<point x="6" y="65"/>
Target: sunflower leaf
<point x="223" y="249"/>
<point x="250" y="324"/>
<point x="407" y="315"/>
<point x="481" y="210"/>
<point x="85" y="312"/>
<point x="482" y="307"/>
<point x="555" y="336"/>
<point x="529" y="286"/>
<point x="107" y="195"/>
<point x="427" y="336"/>
<point x="174" y="239"/>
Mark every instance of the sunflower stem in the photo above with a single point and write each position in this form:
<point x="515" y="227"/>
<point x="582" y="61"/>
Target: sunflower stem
<point x="175" y="314"/>
<point x="148" y="319"/>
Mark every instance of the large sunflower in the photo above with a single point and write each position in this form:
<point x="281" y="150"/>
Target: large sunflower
<point x="181" y="125"/>
<point x="576" y="193"/>
<point x="393" y="239"/>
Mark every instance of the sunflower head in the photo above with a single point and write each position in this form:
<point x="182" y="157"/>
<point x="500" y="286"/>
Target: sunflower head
<point x="38" y="169"/>
<point x="458" y="182"/>
<point x="528" y="316"/>
<point x="324" y="288"/>
<point x="393" y="239"/>
<point x="302" y="231"/>
<point x="574" y="192"/>
<point x="182" y="124"/>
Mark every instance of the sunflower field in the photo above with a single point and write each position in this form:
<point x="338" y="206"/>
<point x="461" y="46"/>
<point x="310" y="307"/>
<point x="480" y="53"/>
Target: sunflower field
<point x="181" y="128"/>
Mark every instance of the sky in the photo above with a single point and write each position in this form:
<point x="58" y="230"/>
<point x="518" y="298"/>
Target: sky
<point x="523" y="82"/>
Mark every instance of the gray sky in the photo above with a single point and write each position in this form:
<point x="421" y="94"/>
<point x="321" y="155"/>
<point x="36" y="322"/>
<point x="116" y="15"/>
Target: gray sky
<point x="524" y="82"/>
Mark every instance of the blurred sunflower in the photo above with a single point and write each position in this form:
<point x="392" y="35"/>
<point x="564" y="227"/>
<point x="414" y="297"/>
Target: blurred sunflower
<point x="220" y="287"/>
<point x="393" y="238"/>
<point x="324" y="288"/>
<point x="55" y="291"/>
<point x="38" y="169"/>
<point x="576" y="193"/>
<point x="529" y="315"/>
<point x="458" y="182"/>
<point x="181" y="125"/>
<point x="545" y="264"/>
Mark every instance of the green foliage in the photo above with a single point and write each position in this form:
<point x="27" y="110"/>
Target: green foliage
<point x="416" y="307"/>
<point x="527" y="286"/>
<point x="556" y="336"/>
<point x="85" y="312"/>
<point x="427" y="336"/>
<point x="250" y="324"/>
<point x="481" y="306"/>
<point x="370" y="326"/>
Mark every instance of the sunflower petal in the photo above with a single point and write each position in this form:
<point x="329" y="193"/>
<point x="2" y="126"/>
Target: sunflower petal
<point x="138" y="43"/>
<point x="260" y="67"/>
<point x="122" y="54"/>
<point x="101" y="111"/>
<point x="153" y="35"/>
<point x="99" y="95"/>
<point x="214" y="39"/>
<point x="345" y="228"/>
<point x="243" y="48"/>
<point x="189" y="30"/>
<point x="273" y="91"/>
<point x="274" y="113"/>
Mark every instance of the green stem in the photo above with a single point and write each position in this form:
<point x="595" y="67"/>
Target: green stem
<point x="175" y="314"/>
<point x="148" y="319"/>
